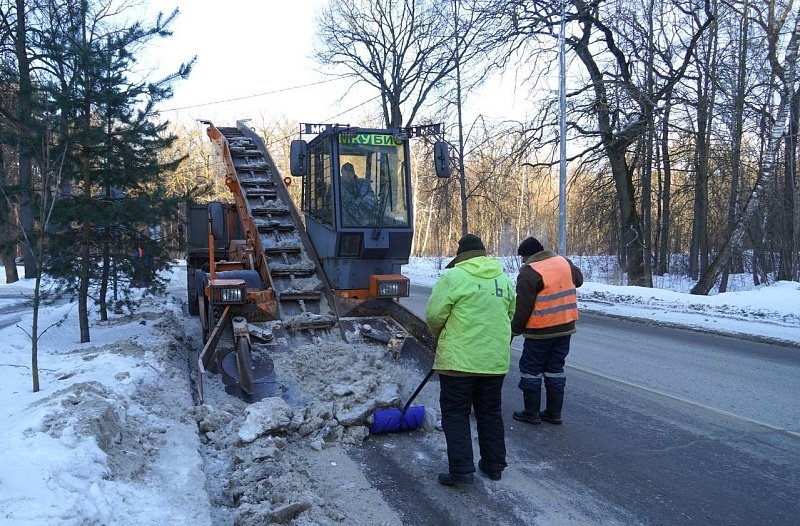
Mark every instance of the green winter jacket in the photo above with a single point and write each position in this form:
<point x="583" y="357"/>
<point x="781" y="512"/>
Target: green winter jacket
<point x="470" y="311"/>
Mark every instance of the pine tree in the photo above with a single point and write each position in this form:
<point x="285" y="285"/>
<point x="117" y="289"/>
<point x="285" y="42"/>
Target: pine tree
<point x="113" y="199"/>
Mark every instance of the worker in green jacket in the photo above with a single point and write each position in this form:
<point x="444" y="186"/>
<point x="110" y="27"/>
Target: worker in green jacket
<point x="470" y="311"/>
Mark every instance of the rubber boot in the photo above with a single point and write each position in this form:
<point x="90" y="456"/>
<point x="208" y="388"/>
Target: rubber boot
<point x="552" y="413"/>
<point x="533" y="401"/>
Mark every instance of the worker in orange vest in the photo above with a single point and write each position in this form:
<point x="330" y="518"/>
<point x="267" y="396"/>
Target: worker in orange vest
<point x="140" y="267"/>
<point x="546" y="312"/>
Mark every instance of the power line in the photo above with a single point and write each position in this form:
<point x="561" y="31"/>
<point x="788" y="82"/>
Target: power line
<point x="275" y="141"/>
<point x="353" y="108"/>
<point x="221" y="163"/>
<point x="247" y="96"/>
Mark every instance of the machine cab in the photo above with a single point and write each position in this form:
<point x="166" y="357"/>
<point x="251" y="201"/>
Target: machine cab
<point x="358" y="178"/>
<point x="357" y="201"/>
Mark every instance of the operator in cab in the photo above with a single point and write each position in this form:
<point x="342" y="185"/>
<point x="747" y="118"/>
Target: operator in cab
<point x="358" y="200"/>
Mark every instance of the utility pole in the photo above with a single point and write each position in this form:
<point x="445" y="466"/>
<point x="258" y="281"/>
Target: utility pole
<point x="462" y="176"/>
<point x="562" y="112"/>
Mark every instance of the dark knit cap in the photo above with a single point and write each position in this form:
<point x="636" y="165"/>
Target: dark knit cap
<point x="470" y="242"/>
<point x="529" y="247"/>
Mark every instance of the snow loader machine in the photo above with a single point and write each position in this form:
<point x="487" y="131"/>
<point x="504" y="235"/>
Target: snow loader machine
<point x="264" y="279"/>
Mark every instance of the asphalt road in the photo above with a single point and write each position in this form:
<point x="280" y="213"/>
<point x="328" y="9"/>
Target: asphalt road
<point x="12" y="308"/>
<point x="662" y="426"/>
<point x="15" y="305"/>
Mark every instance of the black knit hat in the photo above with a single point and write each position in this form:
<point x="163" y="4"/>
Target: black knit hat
<point x="470" y="242"/>
<point x="529" y="247"/>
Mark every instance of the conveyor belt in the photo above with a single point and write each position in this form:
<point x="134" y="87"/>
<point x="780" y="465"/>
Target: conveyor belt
<point x="295" y="277"/>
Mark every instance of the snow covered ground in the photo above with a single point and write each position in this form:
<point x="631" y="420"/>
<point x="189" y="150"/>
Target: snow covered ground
<point x="114" y="435"/>
<point x="766" y="312"/>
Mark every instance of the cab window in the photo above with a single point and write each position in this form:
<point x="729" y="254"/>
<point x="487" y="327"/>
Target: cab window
<point x="378" y="195"/>
<point x="319" y="201"/>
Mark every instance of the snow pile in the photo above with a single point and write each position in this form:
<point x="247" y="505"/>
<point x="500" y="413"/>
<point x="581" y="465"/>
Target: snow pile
<point x="261" y="457"/>
<point x="765" y="313"/>
<point x="761" y="303"/>
<point x="110" y="428"/>
<point x="114" y="435"/>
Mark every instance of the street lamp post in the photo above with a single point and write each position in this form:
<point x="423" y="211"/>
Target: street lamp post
<point x="562" y="112"/>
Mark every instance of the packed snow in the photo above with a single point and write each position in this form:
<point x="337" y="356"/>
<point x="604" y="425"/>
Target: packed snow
<point x="116" y="435"/>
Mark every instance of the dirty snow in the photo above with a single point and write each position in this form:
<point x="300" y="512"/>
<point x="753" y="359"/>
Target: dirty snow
<point x="115" y="435"/>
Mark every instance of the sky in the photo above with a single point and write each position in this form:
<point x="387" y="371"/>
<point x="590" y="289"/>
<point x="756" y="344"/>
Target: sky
<point x="260" y="52"/>
<point x="244" y="49"/>
<point x="67" y="461"/>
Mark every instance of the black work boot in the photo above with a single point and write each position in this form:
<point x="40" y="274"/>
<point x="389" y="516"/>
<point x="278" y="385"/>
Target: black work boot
<point x="552" y="413"/>
<point x="490" y="471"/>
<point x="532" y="400"/>
<point x="456" y="479"/>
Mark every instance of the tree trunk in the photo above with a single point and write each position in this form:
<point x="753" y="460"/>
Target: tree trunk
<point x="106" y="272"/>
<point x="736" y="142"/>
<point x="663" y="250"/>
<point x="25" y="121"/>
<point x="787" y="268"/>
<point x="698" y="251"/>
<point x="35" y="333"/>
<point x="6" y="244"/>
<point x="710" y="96"/>
<point x="647" y="168"/>
<point x="86" y="228"/>
<point x="630" y="226"/>
<point x="616" y="150"/>
<point x="86" y="243"/>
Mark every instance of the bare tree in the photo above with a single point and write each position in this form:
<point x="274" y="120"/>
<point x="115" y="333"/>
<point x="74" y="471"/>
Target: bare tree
<point x="607" y="42"/>
<point x="395" y="47"/>
<point x="196" y="174"/>
<point x="703" y="100"/>
<point x="781" y="25"/>
<point x="789" y="259"/>
<point x="49" y="158"/>
<point x="408" y="51"/>
<point x="738" y="98"/>
<point x="665" y="193"/>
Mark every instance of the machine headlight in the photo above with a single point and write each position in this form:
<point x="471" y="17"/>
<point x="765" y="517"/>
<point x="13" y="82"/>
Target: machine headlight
<point x="231" y="295"/>
<point x="227" y="294"/>
<point x="390" y="286"/>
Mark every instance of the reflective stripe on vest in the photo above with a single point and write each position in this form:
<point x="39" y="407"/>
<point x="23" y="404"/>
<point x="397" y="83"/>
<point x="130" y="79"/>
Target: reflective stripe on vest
<point x="557" y="302"/>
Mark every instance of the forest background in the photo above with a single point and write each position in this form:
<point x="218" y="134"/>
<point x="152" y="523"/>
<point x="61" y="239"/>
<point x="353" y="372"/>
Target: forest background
<point x="682" y="119"/>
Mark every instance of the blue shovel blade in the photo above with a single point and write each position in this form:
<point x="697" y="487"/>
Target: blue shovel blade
<point x="391" y="420"/>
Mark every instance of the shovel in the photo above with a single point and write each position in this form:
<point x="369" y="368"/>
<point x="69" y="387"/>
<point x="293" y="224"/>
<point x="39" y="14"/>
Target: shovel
<point x="391" y="420"/>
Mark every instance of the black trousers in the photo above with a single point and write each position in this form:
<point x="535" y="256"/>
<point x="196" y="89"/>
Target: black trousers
<point x="458" y="395"/>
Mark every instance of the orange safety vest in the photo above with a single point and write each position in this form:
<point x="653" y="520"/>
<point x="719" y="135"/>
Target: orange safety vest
<point x="557" y="302"/>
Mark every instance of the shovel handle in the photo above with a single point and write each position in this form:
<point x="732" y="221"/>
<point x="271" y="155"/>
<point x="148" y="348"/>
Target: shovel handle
<point x="416" y="392"/>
